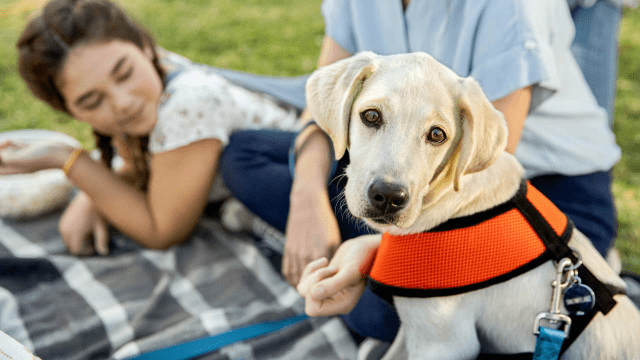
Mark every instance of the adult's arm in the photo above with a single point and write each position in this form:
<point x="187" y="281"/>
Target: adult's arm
<point x="312" y="228"/>
<point x="515" y="108"/>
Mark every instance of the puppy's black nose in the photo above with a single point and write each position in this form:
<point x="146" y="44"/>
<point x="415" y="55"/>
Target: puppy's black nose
<point x="387" y="198"/>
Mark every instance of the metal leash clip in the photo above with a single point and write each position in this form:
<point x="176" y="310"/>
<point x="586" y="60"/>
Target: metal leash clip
<point x="565" y="271"/>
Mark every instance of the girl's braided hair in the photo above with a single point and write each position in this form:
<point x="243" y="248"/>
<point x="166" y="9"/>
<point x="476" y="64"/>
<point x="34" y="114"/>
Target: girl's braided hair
<point x="48" y="39"/>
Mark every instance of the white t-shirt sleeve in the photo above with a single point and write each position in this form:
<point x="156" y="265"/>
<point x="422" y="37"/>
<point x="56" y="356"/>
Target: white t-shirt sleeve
<point x="199" y="104"/>
<point x="193" y="107"/>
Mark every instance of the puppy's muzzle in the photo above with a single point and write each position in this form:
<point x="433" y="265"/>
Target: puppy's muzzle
<point x="387" y="198"/>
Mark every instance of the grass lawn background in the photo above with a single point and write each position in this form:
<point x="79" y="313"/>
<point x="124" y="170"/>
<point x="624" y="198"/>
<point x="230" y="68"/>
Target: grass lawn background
<point x="283" y="37"/>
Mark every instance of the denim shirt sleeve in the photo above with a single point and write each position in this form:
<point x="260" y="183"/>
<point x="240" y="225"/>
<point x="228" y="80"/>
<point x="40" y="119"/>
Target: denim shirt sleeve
<point x="513" y="53"/>
<point x="338" y="26"/>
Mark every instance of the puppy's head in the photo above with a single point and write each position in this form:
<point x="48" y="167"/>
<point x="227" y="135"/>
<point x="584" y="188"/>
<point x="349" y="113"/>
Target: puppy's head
<point x="413" y="128"/>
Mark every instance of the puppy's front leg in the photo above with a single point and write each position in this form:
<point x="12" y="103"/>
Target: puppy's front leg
<point x="439" y="328"/>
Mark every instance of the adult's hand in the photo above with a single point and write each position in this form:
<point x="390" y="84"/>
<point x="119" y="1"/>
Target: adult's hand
<point x="334" y="287"/>
<point x="312" y="231"/>
<point x="82" y="228"/>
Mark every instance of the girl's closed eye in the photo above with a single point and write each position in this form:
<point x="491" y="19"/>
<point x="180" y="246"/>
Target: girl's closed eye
<point x="95" y="103"/>
<point x="124" y="76"/>
<point x="90" y="101"/>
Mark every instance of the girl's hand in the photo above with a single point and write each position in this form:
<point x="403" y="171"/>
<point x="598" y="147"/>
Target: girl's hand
<point x="20" y="158"/>
<point x="312" y="232"/>
<point x="332" y="288"/>
<point x="83" y="230"/>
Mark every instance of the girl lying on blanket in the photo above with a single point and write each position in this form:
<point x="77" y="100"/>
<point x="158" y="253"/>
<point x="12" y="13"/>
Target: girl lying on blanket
<point x="168" y="119"/>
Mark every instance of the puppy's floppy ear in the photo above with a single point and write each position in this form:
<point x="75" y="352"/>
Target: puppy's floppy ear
<point x="330" y="93"/>
<point x="484" y="131"/>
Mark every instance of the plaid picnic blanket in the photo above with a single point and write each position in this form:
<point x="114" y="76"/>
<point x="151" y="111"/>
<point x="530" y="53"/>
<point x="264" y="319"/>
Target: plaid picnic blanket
<point x="136" y="300"/>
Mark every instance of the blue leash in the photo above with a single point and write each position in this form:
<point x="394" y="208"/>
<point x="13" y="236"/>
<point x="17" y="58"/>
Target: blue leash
<point x="191" y="349"/>
<point x="549" y="344"/>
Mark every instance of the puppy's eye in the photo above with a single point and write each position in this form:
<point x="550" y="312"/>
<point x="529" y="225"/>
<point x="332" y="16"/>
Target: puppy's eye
<point x="371" y="117"/>
<point x="436" y="135"/>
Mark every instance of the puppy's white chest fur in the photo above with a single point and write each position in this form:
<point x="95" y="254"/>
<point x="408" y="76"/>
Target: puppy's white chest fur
<point x="480" y="321"/>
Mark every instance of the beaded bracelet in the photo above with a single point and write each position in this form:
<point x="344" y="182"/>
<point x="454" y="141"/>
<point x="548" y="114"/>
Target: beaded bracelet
<point x="71" y="160"/>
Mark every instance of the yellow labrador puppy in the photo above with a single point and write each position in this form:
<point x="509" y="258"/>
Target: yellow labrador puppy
<point x="428" y="169"/>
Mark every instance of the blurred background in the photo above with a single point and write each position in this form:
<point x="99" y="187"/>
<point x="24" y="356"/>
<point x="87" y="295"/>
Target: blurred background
<point x="282" y="38"/>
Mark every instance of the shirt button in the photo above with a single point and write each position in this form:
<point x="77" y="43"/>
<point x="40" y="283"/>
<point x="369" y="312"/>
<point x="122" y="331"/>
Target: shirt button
<point x="530" y="44"/>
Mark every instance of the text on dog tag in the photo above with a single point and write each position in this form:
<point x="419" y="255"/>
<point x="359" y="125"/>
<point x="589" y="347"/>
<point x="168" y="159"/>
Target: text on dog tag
<point x="579" y="299"/>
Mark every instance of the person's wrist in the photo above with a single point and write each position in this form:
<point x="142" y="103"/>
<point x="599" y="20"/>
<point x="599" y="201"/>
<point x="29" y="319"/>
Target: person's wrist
<point x="71" y="160"/>
<point x="308" y="194"/>
<point x="308" y="188"/>
<point x="57" y="155"/>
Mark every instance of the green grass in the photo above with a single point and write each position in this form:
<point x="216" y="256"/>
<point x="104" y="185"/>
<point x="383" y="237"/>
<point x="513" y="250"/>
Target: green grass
<point x="283" y="37"/>
<point x="626" y="187"/>
<point x="274" y="37"/>
<point x="18" y="110"/>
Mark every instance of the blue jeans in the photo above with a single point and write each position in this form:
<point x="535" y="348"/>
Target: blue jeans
<point x="595" y="48"/>
<point x="587" y="200"/>
<point x="255" y="167"/>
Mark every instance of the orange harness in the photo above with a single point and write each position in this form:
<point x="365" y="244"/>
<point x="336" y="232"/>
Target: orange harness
<point x="483" y="249"/>
<point x="471" y="252"/>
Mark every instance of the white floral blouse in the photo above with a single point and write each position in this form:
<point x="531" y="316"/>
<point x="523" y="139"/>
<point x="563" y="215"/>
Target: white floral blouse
<point x="199" y="104"/>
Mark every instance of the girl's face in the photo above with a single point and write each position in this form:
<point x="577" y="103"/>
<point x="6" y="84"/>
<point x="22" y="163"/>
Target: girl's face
<point x="113" y="86"/>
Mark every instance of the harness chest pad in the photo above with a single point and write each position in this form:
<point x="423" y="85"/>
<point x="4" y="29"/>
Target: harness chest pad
<point x="471" y="252"/>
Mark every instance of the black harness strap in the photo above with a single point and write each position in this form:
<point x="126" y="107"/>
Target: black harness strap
<point x="559" y="249"/>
